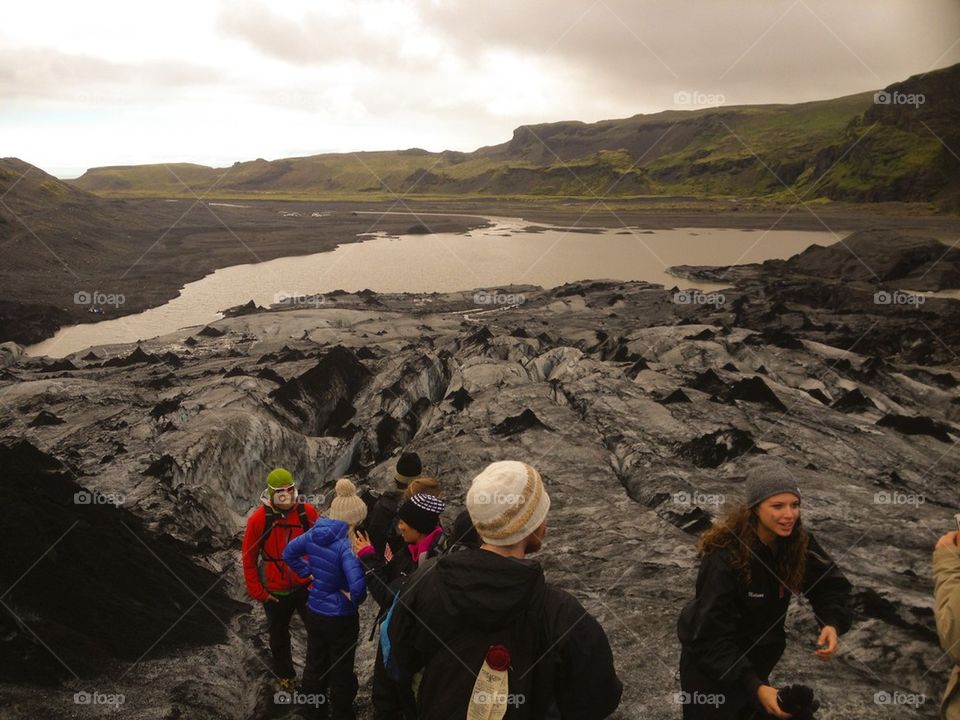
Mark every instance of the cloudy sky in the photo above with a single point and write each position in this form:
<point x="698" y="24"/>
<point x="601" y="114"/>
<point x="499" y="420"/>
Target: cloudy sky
<point x="213" y="82"/>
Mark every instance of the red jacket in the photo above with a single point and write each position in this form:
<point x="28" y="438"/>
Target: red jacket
<point x="270" y="573"/>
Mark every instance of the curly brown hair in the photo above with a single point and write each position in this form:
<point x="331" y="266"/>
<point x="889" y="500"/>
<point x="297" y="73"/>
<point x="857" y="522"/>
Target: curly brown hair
<point x="738" y="531"/>
<point x="426" y="485"/>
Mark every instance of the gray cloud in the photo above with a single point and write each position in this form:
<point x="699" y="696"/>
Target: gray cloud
<point x="42" y="74"/>
<point x="752" y="50"/>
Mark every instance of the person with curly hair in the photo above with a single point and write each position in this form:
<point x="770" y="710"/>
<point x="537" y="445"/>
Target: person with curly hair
<point x="732" y="632"/>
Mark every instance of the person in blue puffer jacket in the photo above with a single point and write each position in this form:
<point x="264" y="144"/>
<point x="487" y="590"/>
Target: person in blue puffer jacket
<point x="337" y="590"/>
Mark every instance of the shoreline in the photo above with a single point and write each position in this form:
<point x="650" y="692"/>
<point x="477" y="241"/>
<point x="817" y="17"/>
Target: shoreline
<point x="287" y="229"/>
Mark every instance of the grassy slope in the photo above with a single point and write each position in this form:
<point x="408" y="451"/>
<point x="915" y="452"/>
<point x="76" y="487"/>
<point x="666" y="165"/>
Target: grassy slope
<point x="845" y="149"/>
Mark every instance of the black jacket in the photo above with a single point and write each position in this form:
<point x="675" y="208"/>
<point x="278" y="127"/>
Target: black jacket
<point x="733" y="632"/>
<point x="455" y="607"/>
<point x="381" y="524"/>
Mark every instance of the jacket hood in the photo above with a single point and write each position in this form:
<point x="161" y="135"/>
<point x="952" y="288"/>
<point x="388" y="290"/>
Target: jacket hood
<point x="326" y="531"/>
<point x="488" y="589"/>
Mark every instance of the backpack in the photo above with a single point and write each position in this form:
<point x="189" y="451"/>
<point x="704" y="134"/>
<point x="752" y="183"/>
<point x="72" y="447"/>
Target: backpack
<point x="271" y="520"/>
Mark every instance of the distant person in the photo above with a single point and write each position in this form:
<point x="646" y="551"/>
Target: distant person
<point x="418" y="521"/>
<point x="732" y="632"/>
<point x="278" y="519"/>
<point x="337" y="589"/>
<point x="946" y="608"/>
<point x="489" y="635"/>
<point x="381" y="525"/>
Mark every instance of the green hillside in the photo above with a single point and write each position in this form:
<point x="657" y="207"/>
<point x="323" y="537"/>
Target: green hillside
<point x="847" y="148"/>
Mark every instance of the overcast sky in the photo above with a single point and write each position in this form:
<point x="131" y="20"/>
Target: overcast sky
<point x="94" y="83"/>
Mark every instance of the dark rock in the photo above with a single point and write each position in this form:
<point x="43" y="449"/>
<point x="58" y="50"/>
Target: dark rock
<point x="171" y="359"/>
<point x="515" y="424"/>
<point x="677" y="396"/>
<point x="162" y="382"/>
<point x="917" y="425"/>
<point x="634" y="370"/>
<point x="853" y="401"/>
<point x="165" y="407"/>
<point x="270" y="374"/>
<point x="235" y="372"/>
<point x="163" y="468"/>
<point x="117" y="599"/>
<point x="775" y="336"/>
<point x="709" y="382"/>
<point x="819" y="395"/>
<point x="90" y="356"/>
<point x="714" y="449"/>
<point x="754" y="389"/>
<point x="45" y="417"/>
<point x="460" y="399"/>
<point x="249" y="308"/>
<point x="137" y="356"/>
<point x="705" y="334"/>
<point x="211" y="332"/>
<point x="58" y="366"/>
<point x="315" y="397"/>
<point x="365" y="353"/>
<point x="191" y="342"/>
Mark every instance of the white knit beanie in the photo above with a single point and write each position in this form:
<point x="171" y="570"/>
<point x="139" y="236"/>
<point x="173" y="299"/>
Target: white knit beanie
<point x="507" y="502"/>
<point x="346" y="506"/>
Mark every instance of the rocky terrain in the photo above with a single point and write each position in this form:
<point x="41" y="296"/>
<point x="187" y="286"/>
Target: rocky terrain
<point x="130" y="469"/>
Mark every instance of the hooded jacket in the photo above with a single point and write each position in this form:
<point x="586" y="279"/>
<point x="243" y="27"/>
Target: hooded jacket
<point x="733" y="631"/>
<point x="338" y="586"/>
<point x="456" y="606"/>
<point x="946" y="608"/>
<point x="273" y="575"/>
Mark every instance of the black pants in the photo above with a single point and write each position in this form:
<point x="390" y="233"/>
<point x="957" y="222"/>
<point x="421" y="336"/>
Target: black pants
<point x="279" y="614"/>
<point x="391" y="700"/>
<point x="707" y="699"/>
<point x="331" y="648"/>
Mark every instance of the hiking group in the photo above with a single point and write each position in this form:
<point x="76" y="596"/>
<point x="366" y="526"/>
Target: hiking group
<point x="468" y="627"/>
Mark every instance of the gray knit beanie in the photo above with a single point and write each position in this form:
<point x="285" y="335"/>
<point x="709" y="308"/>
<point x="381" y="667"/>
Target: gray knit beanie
<point x="767" y="478"/>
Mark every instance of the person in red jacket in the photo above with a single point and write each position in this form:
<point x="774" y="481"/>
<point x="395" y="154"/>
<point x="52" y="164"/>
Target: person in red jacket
<point x="280" y="518"/>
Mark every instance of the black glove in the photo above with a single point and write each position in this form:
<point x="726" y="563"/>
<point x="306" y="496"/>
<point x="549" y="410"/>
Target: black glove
<point x="798" y="700"/>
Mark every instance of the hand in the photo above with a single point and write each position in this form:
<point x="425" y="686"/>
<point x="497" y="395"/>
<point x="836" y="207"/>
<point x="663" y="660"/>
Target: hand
<point x="951" y="539"/>
<point x="360" y="540"/>
<point x="768" y="700"/>
<point x="271" y="598"/>
<point x="828" y="637"/>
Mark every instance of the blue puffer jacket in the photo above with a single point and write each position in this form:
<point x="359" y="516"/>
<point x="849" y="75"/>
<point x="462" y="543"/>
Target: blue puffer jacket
<point x="333" y="565"/>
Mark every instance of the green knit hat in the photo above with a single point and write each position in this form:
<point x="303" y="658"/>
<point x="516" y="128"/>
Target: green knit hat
<point x="278" y="479"/>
